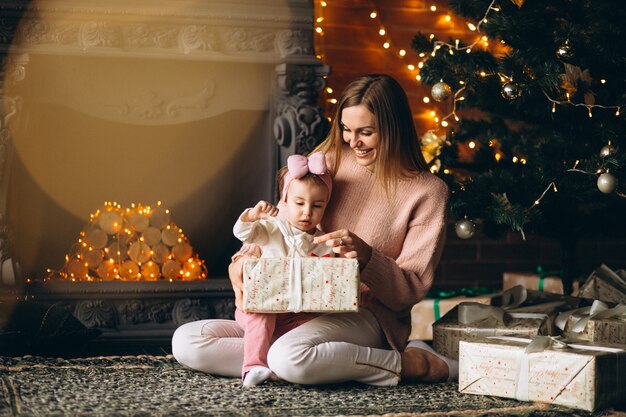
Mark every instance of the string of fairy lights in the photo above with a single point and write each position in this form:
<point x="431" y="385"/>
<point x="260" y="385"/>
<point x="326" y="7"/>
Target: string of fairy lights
<point x="386" y="43"/>
<point x="137" y="243"/>
<point x="440" y="92"/>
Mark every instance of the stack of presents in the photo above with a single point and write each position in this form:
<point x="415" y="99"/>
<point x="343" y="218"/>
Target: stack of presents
<point x="528" y="342"/>
<point x="532" y="343"/>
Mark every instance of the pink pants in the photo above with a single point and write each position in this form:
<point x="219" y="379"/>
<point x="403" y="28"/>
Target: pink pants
<point x="259" y="331"/>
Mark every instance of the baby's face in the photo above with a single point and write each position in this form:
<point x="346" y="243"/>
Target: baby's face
<point x="306" y="203"/>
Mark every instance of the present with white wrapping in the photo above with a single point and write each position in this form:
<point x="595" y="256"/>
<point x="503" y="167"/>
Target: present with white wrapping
<point x="579" y="374"/>
<point x="274" y="285"/>
<point x="596" y="323"/>
<point x="604" y="284"/>
<point x="515" y="315"/>
<point x="429" y="310"/>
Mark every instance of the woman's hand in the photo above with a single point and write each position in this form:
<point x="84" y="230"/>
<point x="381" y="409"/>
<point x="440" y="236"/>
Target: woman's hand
<point x="347" y="244"/>
<point x="235" y="273"/>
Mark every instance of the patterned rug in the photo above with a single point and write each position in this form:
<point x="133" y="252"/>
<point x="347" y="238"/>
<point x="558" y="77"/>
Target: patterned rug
<point x="146" y="386"/>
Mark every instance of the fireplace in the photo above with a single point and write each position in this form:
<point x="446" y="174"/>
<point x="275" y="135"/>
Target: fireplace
<point x="193" y="103"/>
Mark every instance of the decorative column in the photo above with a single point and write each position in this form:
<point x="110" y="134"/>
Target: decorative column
<point x="299" y="124"/>
<point x="13" y="70"/>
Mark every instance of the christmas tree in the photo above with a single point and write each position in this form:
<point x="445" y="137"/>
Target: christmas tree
<point x="535" y="131"/>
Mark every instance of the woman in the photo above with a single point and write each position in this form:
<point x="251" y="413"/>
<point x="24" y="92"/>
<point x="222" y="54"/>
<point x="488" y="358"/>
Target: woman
<point x="388" y="212"/>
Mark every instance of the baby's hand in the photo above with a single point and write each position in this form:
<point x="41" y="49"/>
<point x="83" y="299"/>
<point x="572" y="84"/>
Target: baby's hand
<point x="262" y="210"/>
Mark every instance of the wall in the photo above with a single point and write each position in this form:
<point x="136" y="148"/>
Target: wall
<point x="481" y="260"/>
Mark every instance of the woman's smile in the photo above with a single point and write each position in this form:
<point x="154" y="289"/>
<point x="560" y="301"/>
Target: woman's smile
<point x="360" y="131"/>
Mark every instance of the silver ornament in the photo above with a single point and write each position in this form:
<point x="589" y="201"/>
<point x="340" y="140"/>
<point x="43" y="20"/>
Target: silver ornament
<point x="607" y="183"/>
<point x="565" y="52"/>
<point x="606" y="151"/>
<point x="440" y="91"/>
<point x="465" y="228"/>
<point x="511" y="91"/>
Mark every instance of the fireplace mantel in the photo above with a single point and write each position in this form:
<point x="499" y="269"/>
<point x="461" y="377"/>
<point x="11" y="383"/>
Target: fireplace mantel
<point x="139" y="312"/>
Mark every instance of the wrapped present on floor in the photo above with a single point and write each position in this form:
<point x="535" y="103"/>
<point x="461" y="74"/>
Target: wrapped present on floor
<point x="273" y="285"/>
<point x="596" y="323"/>
<point x="604" y="284"/>
<point x="429" y="310"/>
<point x="511" y="316"/>
<point x="540" y="281"/>
<point x="583" y="374"/>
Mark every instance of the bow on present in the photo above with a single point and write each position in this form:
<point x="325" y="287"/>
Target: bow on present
<point x="299" y="165"/>
<point x="471" y="312"/>
<point x="581" y="316"/>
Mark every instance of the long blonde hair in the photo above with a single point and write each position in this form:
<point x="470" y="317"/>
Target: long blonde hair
<point x="399" y="153"/>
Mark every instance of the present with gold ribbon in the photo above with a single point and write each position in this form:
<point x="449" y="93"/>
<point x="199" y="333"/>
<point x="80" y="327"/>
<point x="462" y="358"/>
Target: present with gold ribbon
<point x="429" y="310"/>
<point x="596" y="323"/>
<point x="606" y="285"/>
<point x="580" y="374"/>
<point x="517" y="312"/>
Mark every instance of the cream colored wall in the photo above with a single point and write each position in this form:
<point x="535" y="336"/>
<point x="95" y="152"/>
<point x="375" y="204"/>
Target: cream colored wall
<point x="192" y="134"/>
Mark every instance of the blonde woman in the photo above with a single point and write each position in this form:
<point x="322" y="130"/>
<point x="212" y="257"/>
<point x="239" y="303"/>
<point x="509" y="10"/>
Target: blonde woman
<point x="389" y="212"/>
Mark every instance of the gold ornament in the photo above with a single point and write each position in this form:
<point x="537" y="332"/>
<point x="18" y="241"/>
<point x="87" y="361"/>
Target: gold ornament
<point x="511" y="91"/>
<point x="607" y="183"/>
<point x="431" y="145"/>
<point x="440" y="91"/>
<point x="465" y="228"/>
<point x="565" y="53"/>
<point x="606" y="150"/>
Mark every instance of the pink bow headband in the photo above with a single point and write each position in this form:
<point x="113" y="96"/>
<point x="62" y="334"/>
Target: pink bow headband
<point x="298" y="166"/>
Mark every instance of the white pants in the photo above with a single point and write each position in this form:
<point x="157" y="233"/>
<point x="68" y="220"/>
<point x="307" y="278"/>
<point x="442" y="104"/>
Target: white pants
<point x="331" y="348"/>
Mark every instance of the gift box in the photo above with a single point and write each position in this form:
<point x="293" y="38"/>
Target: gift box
<point x="429" y="310"/>
<point x="597" y="323"/>
<point x="273" y="285"/>
<point x="516" y="311"/>
<point x="528" y="321"/>
<point x="581" y="375"/>
<point x="547" y="283"/>
<point x="604" y="284"/>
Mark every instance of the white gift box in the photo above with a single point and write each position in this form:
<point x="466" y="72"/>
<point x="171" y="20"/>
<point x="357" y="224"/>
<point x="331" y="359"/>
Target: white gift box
<point x="273" y="285"/>
<point x="583" y="375"/>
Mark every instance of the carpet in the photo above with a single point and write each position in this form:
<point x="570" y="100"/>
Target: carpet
<point x="147" y="386"/>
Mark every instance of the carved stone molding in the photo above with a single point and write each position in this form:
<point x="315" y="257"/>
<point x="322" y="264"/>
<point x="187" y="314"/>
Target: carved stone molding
<point x="138" y="310"/>
<point x="229" y="31"/>
<point x="96" y="313"/>
<point x="187" y="310"/>
<point x="299" y="124"/>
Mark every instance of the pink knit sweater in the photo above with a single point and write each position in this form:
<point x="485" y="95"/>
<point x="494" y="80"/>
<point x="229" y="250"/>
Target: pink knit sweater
<point x="405" y="230"/>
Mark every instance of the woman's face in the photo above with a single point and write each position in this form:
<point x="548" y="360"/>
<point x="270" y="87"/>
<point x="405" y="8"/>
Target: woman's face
<point x="360" y="131"/>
